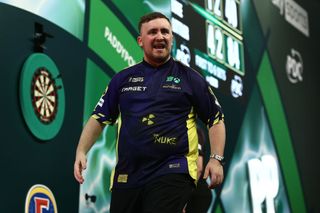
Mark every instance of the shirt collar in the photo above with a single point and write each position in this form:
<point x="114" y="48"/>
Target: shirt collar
<point x="166" y="64"/>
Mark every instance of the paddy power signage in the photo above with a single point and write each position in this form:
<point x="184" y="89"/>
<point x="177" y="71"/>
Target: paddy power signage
<point x="110" y="39"/>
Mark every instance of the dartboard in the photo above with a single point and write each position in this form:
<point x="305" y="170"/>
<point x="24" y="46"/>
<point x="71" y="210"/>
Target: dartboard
<point x="44" y="95"/>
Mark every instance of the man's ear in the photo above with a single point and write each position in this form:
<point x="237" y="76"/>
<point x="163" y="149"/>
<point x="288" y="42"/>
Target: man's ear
<point x="139" y="40"/>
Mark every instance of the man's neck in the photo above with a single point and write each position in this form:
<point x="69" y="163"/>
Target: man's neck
<point x="156" y="64"/>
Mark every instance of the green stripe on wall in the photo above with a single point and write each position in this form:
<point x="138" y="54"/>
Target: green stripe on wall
<point x="283" y="143"/>
<point x="218" y="209"/>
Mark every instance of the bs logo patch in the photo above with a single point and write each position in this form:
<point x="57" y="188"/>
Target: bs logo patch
<point x="42" y="97"/>
<point x="40" y="200"/>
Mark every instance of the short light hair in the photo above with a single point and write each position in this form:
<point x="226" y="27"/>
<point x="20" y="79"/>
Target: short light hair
<point x="151" y="16"/>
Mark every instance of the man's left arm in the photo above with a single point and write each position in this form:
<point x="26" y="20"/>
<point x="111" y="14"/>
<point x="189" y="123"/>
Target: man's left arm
<point x="214" y="168"/>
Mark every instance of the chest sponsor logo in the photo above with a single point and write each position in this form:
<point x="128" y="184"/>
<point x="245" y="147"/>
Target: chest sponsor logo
<point x="136" y="79"/>
<point x="148" y="120"/>
<point x="134" y="89"/>
<point x="172" y="86"/>
<point x="173" y="79"/>
<point x="164" y="139"/>
<point x="172" y="83"/>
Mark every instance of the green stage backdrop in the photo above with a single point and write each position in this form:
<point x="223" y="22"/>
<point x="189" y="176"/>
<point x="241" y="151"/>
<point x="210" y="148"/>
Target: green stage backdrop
<point x="260" y="57"/>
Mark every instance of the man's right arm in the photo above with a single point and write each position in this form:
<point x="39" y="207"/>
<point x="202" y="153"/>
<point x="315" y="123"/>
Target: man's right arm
<point x="89" y="135"/>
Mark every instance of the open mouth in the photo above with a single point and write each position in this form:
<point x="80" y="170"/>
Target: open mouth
<point x="159" y="46"/>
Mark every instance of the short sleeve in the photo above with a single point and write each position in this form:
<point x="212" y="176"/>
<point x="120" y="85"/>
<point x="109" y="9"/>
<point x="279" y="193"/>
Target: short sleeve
<point x="205" y="102"/>
<point x="107" y="108"/>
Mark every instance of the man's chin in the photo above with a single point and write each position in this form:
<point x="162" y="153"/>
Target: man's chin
<point x="161" y="56"/>
<point x="161" y="59"/>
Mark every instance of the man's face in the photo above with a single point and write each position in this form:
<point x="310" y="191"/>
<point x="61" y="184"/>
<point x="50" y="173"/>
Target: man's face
<point x="156" y="40"/>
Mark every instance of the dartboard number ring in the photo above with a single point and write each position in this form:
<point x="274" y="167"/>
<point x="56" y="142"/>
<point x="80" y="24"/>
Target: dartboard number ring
<point x="42" y="96"/>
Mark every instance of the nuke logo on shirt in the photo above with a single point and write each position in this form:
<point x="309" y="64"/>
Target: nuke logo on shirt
<point x="161" y="139"/>
<point x="148" y="120"/>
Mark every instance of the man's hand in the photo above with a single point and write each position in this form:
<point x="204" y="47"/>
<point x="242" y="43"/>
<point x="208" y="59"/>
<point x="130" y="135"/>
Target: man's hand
<point x="199" y="166"/>
<point x="215" y="170"/>
<point x="80" y="164"/>
<point x="89" y="135"/>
